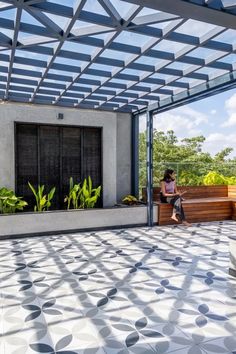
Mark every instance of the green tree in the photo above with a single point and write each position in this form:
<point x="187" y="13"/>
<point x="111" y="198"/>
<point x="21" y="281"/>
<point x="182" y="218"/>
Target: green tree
<point x="185" y="156"/>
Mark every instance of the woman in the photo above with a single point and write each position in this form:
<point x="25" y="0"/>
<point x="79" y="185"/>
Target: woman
<point x="170" y="195"/>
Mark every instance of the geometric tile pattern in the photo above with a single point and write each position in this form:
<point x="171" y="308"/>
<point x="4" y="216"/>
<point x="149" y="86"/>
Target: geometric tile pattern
<point x="113" y="54"/>
<point x="143" y="291"/>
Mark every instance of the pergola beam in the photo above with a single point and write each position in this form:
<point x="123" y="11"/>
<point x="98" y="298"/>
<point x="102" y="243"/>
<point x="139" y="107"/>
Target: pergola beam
<point x="227" y="81"/>
<point x="187" y="9"/>
<point x="191" y="71"/>
<point x="55" y="9"/>
<point x="152" y="19"/>
<point x="51" y="26"/>
<point x="5" y="41"/>
<point x="78" y="7"/>
<point x="111" y="10"/>
<point x="86" y="68"/>
<point x="151" y="43"/>
<point x="13" y="49"/>
<point x="113" y="73"/>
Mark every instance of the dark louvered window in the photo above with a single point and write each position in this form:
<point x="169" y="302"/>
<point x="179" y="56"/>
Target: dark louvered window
<point x="50" y="155"/>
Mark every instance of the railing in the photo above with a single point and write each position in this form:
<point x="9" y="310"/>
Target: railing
<point x="187" y="173"/>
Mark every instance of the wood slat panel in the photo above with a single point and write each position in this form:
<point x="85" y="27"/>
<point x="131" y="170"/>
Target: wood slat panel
<point x="194" y="192"/>
<point x="26" y="161"/>
<point x="170" y="222"/>
<point x="233" y="210"/>
<point x="207" y="210"/>
<point x="49" y="155"/>
<point x="92" y="155"/>
<point x="232" y="191"/>
<point x="71" y="158"/>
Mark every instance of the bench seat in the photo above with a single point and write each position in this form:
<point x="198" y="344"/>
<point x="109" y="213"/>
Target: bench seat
<point x="197" y="210"/>
<point x="202" y="203"/>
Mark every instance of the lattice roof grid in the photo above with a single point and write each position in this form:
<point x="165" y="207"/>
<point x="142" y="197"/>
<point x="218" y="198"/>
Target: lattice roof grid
<point x="119" y="55"/>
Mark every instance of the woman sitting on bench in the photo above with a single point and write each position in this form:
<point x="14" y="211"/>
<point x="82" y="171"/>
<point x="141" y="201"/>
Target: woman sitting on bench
<point x="170" y="195"/>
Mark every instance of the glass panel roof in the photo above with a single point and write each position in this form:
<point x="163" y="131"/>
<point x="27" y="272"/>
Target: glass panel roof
<point x="124" y="8"/>
<point x="8" y="14"/>
<point x="193" y="27"/>
<point x="228" y="36"/>
<point x="113" y="54"/>
<point x="171" y="46"/>
<point x="132" y="38"/>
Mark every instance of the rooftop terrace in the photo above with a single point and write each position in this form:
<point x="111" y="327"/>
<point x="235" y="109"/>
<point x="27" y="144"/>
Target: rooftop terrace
<point x="142" y="291"/>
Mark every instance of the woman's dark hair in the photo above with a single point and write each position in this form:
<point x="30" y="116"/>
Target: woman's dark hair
<point x="167" y="175"/>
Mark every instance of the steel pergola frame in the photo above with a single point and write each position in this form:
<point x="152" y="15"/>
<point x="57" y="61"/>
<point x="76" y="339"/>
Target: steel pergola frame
<point x="107" y="58"/>
<point x="119" y="55"/>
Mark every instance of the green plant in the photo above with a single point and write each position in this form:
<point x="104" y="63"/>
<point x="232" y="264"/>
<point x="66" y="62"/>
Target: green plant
<point x="75" y="191"/>
<point x="186" y="157"/>
<point x="231" y="180"/>
<point x="214" y="178"/>
<point x="130" y="200"/>
<point x="89" y="195"/>
<point x="84" y="196"/>
<point x="43" y="201"/>
<point x="9" y="202"/>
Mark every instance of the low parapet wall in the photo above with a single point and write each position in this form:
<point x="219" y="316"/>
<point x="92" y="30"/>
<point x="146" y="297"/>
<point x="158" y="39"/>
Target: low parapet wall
<point x="22" y="224"/>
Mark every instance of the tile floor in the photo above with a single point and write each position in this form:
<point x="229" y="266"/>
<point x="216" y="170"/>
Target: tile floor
<point x="160" y="290"/>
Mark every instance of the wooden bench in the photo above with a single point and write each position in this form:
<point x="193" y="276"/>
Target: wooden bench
<point x="202" y="203"/>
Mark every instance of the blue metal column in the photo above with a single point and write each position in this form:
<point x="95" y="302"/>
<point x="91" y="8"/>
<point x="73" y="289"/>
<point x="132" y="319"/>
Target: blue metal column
<point x="149" y="168"/>
<point x="135" y="156"/>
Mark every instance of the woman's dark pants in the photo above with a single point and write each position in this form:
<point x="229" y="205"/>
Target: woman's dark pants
<point x="176" y="201"/>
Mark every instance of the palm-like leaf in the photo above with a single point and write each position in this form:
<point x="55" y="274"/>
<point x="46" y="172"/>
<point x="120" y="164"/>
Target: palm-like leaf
<point x="42" y="201"/>
<point x="33" y="190"/>
<point x="89" y="185"/>
<point x="51" y="193"/>
<point x="84" y="196"/>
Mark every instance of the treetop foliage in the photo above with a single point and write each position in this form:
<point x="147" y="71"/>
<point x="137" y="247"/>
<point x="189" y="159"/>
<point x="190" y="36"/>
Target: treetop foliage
<point x="185" y="157"/>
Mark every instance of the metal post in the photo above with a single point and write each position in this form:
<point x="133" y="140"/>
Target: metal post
<point x="177" y="173"/>
<point x="149" y="168"/>
<point x="135" y="156"/>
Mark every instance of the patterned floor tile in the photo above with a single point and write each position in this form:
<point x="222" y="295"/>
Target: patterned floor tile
<point x="143" y="290"/>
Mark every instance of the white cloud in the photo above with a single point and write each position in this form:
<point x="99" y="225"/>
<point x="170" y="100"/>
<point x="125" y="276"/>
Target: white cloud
<point x="213" y="112"/>
<point x="184" y="121"/>
<point x="231" y="121"/>
<point x="230" y="107"/>
<point x="216" y="142"/>
<point x="187" y="122"/>
<point x="230" y="104"/>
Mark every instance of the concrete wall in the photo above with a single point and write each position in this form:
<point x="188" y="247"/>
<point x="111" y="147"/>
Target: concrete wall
<point x="123" y="155"/>
<point x="116" y="142"/>
<point x="35" y="223"/>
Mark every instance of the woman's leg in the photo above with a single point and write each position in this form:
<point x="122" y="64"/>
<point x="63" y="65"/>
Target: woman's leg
<point x="178" y="210"/>
<point x="175" y="212"/>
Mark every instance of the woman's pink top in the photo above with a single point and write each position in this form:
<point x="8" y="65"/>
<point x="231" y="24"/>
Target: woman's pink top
<point x="170" y="187"/>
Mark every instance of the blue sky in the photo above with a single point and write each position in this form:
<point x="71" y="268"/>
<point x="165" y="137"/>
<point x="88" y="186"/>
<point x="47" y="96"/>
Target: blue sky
<point x="213" y="117"/>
